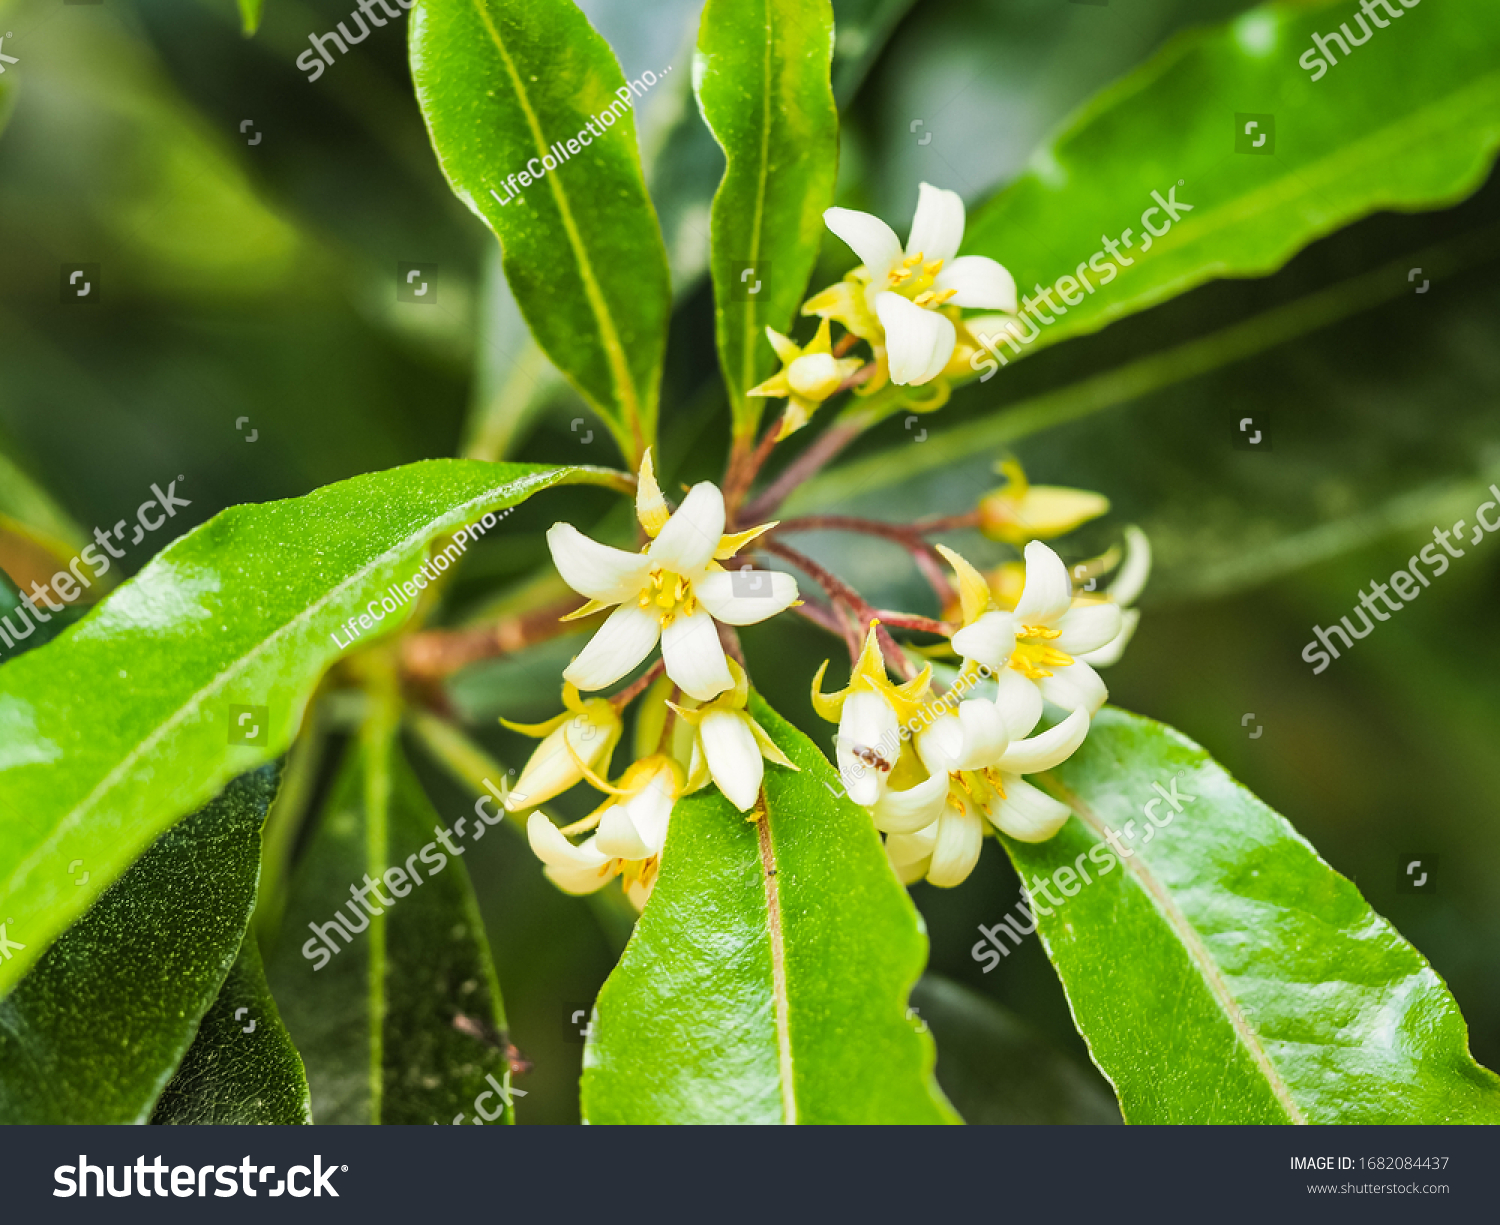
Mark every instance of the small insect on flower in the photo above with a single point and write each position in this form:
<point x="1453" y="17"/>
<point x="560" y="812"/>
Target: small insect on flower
<point x="674" y="591"/>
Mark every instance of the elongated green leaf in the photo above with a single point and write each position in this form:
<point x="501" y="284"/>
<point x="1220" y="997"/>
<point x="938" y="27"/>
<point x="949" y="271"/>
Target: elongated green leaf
<point x="97" y="1029"/>
<point x="504" y="86"/>
<point x="1220" y="971"/>
<point x="762" y="79"/>
<point x="242" y="1066"/>
<point x="404" y="1023"/>
<point x="123" y="724"/>
<point x="996" y="1070"/>
<point x="746" y="994"/>
<point x="1409" y="121"/>
<point x="250" y="15"/>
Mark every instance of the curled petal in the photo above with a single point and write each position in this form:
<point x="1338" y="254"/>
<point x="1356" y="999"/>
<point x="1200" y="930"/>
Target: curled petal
<point x="989" y="641"/>
<point x="985" y="735"/>
<point x="1050" y="748"/>
<point x="636" y="828"/>
<point x="1075" y="687"/>
<point x="733" y="756"/>
<point x="689" y="540"/>
<point x="982" y="284"/>
<point x="744" y="597"/>
<point x="694" y="657"/>
<point x="918" y="342"/>
<point x="938" y="226"/>
<point x="875" y="243"/>
<point x="1111" y="651"/>
<point x="1026" y="813"/>
<point x="611" y="576"/>
<point x="905" y="812"/>
<point x="625" y="638"/>
<point x="1048" y="592"/>
<point x="1131" y="579"/>
<point x="959" y="841"/>
<point x="941" y="743"/>
<point x="1019" y="701"/>
<point x="1087" y="627"/>
<point x="573" y="869"/>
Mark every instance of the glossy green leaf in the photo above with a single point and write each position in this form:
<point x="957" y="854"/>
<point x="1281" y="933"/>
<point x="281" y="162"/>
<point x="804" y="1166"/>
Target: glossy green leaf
<point x="762" y="78"/>
<point x="995" y="1069"/>
<point x="98" y="1027"/>
<point x="744" y="996"/>
<point x="123" y="724"/>
<point x="1286" y="998"/>
<point x="242" y="1066"/>
<point x="404" y="1023"/>
<point x="250" y="15"/>
<point x="1409" y="121"/>
<point x="502" y="86"/>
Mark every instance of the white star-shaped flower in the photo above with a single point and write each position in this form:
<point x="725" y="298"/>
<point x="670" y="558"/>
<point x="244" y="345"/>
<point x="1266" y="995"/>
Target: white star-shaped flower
<point x="908" y="288"/>
<point x="1042" y="640"/>
<point x="672" y="592"/>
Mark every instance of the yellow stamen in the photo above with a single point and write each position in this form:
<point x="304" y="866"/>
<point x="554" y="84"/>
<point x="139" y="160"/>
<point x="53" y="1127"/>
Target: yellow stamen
<point x="1035" y="661"/>
<point x="1039" y="631"/>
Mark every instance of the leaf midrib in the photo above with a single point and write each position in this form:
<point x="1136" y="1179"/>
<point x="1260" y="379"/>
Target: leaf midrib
<point x="752" y="311"/>
<point x="768" y="868"/>
<point x="214" y="686"/>
<point x="1197" y="951"/>
<point x="614" y="351"/>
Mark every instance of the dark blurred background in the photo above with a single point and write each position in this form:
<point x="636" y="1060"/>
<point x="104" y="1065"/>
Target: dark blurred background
<point x="248" y="227"/>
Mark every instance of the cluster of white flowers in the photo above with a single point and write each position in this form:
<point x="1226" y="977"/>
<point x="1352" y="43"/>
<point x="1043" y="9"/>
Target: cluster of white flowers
<point x="965" y="764"/>
<point x="676" y="592"/>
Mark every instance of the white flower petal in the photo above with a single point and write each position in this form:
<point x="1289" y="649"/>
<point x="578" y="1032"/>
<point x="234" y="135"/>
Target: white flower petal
<point x="919" y="343"/>
<point x="695" y="657"/>
<point x="625" y="638"/>
<point x="733" y="756"/>
<point x="1026" y="813"/>
<point x="1050" y="748"/>
<point x="1075" y="687"/>
<point x="1019" y="700"/>
<point x="1111" y="651"/>
<point x="596" y="570"/>
<point x="580" y="881"/>
<point x="692" y="534"/>
<point x="985" y="736"/>
<point x="1048" y="592"/>
<point x="910" y="853"/>
<point x="868" y="725"/>
<point x="959" y="841"/>
<point x="941" y="743"/>
<point x="989" y="641"/>
<point x="938" y="227"/>
<point x="549" y="771"/>
<point x="875" y="243"/>
<point x="765" y="593"/>
<point x="982" y="284"/>
<point x="636" y="828"/>
<point x="551" y="847"/>
<point x="1135" y="569"/>
<point x="1087" y="627"/>
<point x="905" y="812"/>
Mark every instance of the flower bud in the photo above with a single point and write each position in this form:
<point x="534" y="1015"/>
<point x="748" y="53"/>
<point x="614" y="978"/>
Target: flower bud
<point x="591" y="728"/>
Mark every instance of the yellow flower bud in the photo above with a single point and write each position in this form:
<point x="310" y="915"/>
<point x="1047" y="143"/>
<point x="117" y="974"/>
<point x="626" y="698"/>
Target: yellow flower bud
<point x="1020" y="511"/>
